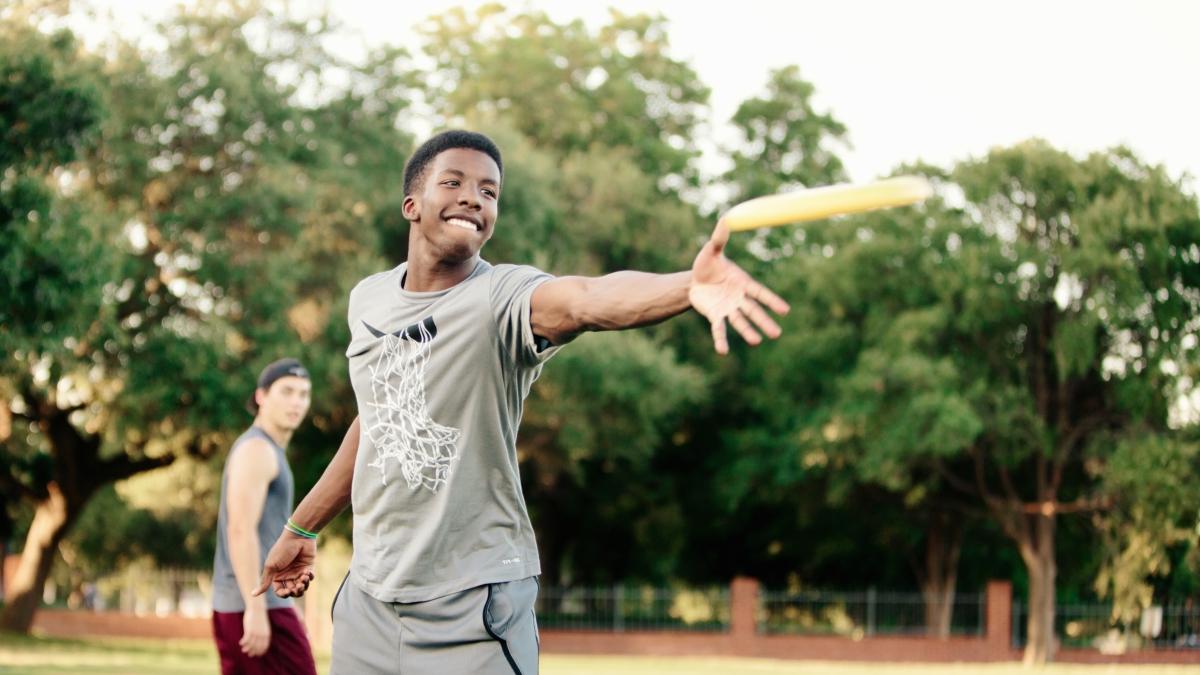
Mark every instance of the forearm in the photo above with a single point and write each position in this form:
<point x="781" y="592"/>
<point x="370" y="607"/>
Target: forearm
<point x="331" y="494"/>
<point x="243" y="556"/>
<point x="623" y="300"/>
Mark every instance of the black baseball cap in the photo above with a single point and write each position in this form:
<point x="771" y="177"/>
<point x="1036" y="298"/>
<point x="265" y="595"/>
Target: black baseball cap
<point x="287" y="367"/>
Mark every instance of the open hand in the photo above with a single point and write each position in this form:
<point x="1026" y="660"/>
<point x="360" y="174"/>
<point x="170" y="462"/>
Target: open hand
<point x="723" y="291"/>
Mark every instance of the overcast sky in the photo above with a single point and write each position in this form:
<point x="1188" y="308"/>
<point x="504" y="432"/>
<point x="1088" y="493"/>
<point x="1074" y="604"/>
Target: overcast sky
<point x="921" y="79"/>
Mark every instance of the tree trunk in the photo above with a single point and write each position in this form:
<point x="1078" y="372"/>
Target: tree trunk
<point x="1038" y="555"/>
<point x="78" y="473"/>
<point x="24" y="591"/>
<point x="943" y="542"/>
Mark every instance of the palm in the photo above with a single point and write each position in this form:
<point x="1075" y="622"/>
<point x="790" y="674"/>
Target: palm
<point x="718" y="287"/>
<point x="722" y="291"/>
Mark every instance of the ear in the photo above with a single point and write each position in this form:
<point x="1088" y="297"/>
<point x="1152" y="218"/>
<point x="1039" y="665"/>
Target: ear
<point x="259" y="395"/>
<point x="411" y="209"/>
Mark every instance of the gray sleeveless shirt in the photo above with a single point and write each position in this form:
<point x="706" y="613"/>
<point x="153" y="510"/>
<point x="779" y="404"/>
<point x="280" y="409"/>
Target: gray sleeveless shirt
<point x="278" y="506"/>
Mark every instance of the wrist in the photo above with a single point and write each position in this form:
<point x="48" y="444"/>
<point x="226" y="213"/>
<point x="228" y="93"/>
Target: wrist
<point x="297" y="530"/>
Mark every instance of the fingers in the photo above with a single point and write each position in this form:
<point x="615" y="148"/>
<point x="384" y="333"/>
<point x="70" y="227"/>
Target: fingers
<point x="743" y="327"/>
<point x="766" y="296"/>
<point x="263" y="583"/>
<point x="720" y="343"/>
<point x="294" y="587"/>
<point x="291" y="590"/>
<point x="741" y="321"/>
<point x="761" y="319"/>
<point x="254" y="645"/>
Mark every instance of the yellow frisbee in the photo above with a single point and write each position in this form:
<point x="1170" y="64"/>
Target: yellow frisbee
<point x="823" y="202"/>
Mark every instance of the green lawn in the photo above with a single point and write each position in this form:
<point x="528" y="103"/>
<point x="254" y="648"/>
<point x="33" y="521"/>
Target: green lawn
<point x="43" y="656"/>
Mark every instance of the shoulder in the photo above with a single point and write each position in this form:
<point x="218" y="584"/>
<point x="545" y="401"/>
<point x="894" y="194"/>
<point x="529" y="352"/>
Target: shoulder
<point x="515" y="275"/>
<point x="508" y="269"/>
<point x="372" y="283"/>
<point x="254" y="458"/>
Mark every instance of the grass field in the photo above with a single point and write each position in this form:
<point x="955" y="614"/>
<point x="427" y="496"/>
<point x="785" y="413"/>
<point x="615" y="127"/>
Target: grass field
<point x="43" y="656"/>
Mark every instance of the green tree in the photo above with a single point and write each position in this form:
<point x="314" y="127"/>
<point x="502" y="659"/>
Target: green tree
<point x="1011" y="346"/>
<point x="785" y="142"/>
<point x="811" y="426"/>
<point x="216" y="221"/>
<point x="53" y="267"/>
<point x="569" y="89"/>
<point x="1102" y="276"/>
<point x="1150" y="482"/>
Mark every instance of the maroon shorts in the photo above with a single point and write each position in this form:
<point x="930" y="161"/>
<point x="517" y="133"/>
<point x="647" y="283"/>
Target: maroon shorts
<point x="288" y="654"/>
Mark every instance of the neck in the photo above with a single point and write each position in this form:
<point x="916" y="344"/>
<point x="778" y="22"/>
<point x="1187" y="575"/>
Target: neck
<point x="280" y="435"/>
<point x="427" y="272"/>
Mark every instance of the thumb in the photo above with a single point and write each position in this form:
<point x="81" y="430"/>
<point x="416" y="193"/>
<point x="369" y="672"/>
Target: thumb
<point x="719" y="238"/>
<point x="264" y="583"/>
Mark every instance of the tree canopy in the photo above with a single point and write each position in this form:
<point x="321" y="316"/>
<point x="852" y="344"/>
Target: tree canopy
<point x="1010" y="362"/>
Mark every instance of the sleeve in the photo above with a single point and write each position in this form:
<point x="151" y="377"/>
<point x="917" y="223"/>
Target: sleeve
<point x="511" y="296"/>
<point x="361" y="341"/>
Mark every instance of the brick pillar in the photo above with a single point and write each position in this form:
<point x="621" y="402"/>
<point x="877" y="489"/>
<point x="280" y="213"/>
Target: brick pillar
<point x="743" y="607"/>
<point x="999" y="618"/>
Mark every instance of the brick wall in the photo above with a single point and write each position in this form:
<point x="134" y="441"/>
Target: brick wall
<point x="743" y="638"/>
<point x="66" y="623"/>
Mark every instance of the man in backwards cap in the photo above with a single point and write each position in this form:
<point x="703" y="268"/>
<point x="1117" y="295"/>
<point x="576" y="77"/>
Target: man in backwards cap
<point x="259" y="634"/>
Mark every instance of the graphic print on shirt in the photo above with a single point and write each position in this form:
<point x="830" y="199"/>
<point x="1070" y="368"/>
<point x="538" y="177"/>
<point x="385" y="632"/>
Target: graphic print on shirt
<point x="403" y="429"/>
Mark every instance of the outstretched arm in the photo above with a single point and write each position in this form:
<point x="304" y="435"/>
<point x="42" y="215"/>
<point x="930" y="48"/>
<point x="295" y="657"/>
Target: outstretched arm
<point x="715" y="286"/>
<point x="563" y="308"/>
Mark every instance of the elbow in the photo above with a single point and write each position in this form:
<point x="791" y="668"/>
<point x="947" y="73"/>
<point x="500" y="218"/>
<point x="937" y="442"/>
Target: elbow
<point x="562" y="330"/>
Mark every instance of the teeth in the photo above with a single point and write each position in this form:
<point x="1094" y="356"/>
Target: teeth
<point x="465" y="224"/>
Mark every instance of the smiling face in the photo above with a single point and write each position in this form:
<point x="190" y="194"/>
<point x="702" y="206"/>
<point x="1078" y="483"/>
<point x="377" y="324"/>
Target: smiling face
<point x="453" y="211"/>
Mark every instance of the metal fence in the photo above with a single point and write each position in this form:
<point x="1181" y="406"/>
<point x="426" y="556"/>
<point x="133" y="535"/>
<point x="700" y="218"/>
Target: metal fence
<point x="620" y="608"/>
<point x="1171" y="626"/>
<point x="165" y="592"/>
<point x="161" y="592"/>
<point x="625" y="608"/>
<point x="863" y="614"/>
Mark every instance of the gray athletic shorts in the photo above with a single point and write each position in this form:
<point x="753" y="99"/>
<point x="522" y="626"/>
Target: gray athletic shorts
<point x="488" y="629"/>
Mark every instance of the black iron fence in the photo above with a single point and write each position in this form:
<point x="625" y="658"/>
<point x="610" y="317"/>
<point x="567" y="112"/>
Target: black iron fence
<point x="620" y="608"/>
<point x="863" y="613"/>
<point x="1171" y="626"/>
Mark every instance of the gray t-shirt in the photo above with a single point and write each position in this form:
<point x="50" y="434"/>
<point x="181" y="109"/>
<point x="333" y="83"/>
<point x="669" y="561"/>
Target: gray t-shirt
<point x="227" y="597"/>
<point x="440" y="378"/>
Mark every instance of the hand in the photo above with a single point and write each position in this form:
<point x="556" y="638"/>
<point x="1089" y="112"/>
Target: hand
<point x="721" y="290"/>
<point x="256" y="630"/>
<point x="289" y="566"/>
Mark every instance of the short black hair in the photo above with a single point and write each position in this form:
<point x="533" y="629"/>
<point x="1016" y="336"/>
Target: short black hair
<point x="414" y="170"/>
